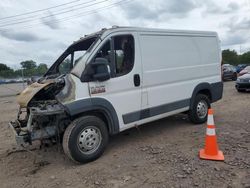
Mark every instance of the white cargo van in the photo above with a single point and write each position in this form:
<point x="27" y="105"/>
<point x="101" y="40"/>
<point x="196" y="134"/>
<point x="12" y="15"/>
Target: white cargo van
<point x="116" y="79"/>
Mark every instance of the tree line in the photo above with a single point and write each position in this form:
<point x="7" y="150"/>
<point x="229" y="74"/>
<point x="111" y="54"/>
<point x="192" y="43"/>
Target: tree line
<point x="29" y="68"/>
<point x="233" y="58"/>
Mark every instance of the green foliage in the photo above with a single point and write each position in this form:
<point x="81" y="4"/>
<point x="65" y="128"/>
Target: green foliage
<point x="64" y="67"/>
<point x="28" y="64"/>
<point x="41" y="69"/>
<point x="29" y="69"/>
<point x="230" y="57"/>
<point x="4" y="67"/>
<point x="245" y="58"/>
<point x="7" y="73"/>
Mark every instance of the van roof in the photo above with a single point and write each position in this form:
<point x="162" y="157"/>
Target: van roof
<point x="106" y="31"/>
<point x="157" y="30"/>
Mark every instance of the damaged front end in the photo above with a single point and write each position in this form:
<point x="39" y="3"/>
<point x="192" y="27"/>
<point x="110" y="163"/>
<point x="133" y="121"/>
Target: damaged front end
<point x="41" y="116"/>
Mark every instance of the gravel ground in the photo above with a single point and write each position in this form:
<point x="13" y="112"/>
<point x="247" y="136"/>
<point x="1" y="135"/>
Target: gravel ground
<point x="11" y="89"/>
<point x="159" y="154"/>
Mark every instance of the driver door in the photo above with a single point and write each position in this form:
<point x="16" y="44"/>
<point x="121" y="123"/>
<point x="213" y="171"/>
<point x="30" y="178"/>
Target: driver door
<point x="123" y="89"/>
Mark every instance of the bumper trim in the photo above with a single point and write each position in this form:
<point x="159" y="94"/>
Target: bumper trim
<point x="242" y="86"/>
<point x="21" y="139"/>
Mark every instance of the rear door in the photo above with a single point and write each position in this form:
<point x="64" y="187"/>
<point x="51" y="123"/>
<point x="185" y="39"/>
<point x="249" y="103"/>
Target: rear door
<point x="123" y="90"/>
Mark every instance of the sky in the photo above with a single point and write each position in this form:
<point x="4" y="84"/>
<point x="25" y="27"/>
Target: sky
<point x="42" y="30"/>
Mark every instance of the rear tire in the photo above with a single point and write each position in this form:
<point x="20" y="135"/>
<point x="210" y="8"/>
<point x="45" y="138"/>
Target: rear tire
<point x="198" y="111"/>
<point x="85" y="139"/>
<point x="234" y="77"/>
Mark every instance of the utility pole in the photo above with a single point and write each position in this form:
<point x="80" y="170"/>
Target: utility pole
<point x="23" y="78"/>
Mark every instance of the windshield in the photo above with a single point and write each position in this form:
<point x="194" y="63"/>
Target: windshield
<point x="71" y="56"/>
<point x="70" y="61"/>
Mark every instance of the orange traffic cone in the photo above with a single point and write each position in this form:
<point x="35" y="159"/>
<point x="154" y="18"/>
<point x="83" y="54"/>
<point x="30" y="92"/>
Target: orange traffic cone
<point x="211" y="150"/>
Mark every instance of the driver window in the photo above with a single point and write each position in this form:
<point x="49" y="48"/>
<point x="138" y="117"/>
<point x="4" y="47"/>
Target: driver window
<point x="121" y="56"/>
<point x="124" y="54"/>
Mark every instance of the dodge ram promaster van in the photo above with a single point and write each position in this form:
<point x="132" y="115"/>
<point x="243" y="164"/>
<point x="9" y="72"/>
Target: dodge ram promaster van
<point x="116" y="79"/>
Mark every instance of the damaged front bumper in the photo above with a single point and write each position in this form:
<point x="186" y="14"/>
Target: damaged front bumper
<point x="42" y="122"/>
<point x="22" y="137"/>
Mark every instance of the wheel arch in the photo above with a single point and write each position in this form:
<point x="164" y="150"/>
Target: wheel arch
<point x="214" y="91"/>
<point x="99" y="107"/>
<point x="202" y="88"/>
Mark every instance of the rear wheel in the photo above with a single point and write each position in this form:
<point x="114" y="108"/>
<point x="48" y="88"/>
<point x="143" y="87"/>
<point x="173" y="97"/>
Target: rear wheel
<point x="198" y="111"/>
<point x="85" y="139"/>
<point x="234" y="77"/>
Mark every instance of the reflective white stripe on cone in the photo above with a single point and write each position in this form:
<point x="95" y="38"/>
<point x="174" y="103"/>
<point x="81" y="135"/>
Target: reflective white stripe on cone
<point x="210" y="119"/>
<point x="210" y="132"/>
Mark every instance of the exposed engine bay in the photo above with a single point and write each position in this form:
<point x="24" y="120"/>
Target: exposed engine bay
<point x="41" y="116"/>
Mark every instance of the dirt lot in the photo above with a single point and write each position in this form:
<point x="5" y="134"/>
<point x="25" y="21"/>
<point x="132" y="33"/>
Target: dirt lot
<point x="11" y="89"/>
<point x="160" y="154"/>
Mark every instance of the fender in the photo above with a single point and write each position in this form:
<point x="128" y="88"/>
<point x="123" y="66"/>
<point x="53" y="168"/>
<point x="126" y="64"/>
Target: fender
<point x="215" y="90"/>
<point x="197" y="89"/>
<point x="99" y="104"/>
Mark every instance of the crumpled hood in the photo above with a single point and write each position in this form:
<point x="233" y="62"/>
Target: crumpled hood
<point x="29" y="92"/>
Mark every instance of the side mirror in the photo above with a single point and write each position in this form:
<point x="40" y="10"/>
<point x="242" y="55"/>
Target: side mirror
<point x="101" y="69"/>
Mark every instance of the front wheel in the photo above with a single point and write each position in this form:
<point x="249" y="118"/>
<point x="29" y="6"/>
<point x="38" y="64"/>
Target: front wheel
<point x="85" y="139"/>
<point x="198" y="111"/>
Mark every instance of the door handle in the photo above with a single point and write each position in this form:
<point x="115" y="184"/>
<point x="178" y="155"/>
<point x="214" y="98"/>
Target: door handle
<point x="137" y="80"/>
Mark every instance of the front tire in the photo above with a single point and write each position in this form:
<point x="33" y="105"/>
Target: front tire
<point x="85" y="139"/>
<point x="198" y="111"/>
